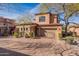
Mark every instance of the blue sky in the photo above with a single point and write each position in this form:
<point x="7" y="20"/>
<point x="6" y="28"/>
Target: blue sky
<point x="15" y="10"/>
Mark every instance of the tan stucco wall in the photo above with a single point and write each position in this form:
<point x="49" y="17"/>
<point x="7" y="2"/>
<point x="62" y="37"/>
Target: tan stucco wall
<point x="47" y="18"/>
<point x="59" y="32"/>
<point x="30" y="29"/>
<point x="25" y="31"/>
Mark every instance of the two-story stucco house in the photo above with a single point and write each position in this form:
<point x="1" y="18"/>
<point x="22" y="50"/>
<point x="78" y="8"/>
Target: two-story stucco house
<point x="44" y="25"/>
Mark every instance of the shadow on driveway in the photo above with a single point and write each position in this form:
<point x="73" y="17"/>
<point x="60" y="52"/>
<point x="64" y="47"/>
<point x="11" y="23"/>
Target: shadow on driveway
<point x="6" y="52"/>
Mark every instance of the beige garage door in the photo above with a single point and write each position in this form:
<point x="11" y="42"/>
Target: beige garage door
<point x="50" y="33"/>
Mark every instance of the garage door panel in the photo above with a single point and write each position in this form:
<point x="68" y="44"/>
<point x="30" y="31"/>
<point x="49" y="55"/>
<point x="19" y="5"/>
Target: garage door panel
<point x="50" y="33"/>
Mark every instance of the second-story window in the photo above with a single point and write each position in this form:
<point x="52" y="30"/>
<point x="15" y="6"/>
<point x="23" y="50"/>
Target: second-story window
<point x="42" y="19"/>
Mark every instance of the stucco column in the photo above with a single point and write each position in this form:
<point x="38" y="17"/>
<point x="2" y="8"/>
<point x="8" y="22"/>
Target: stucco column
<point x="29" y="29"/>
<point x="55" y="19"/>
<point x="59" y="32"/>
<point x="39" y="31"/>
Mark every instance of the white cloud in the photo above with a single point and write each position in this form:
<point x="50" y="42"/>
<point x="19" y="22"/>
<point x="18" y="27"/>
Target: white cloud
<point x="9" y="14"/>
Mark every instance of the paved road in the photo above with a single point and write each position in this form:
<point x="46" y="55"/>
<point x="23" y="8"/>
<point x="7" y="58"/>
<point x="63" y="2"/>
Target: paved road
<point x="6" y="52"/>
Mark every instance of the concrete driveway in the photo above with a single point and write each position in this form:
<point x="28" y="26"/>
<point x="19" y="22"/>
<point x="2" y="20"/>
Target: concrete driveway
<point x="22" y="46"/>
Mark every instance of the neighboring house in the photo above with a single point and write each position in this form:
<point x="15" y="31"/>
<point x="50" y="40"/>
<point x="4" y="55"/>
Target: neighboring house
<point x="26" y="28"/>
<point x="6" y="25"/>
<point x="74" y="29"/>
<point x="44" y="25"/>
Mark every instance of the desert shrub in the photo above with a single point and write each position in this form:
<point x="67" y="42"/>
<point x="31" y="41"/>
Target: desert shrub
<point x="75" y="43"/>
<point x="32" y="34"/>
<point x="60" y="35"/>
<point x="5" y="34"/>
<point x="26" y="35"/>
<point x="16" y="34"/>
<point x="69" y="40"/>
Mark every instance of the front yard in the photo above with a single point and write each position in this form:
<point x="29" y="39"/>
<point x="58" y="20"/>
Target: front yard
<point x="36" y="47"/>
<point x="27" y="46"/>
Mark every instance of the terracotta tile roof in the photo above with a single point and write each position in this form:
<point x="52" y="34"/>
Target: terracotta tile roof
<point x="6" y="20"/>
<point x="39" y="24"/>
<point x="76" y="26"/>
<point x="26" y="24"/>
<point x="45" y="13"/>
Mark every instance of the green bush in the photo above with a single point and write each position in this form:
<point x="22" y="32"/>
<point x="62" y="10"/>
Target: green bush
<point x="5" y="34"/>
<point x="69" y="39"/>
<point x="32" y="34"/>
<point x="60" y="35"/>
<point x="26" y="35"/>
<point x="16" y="34"/>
